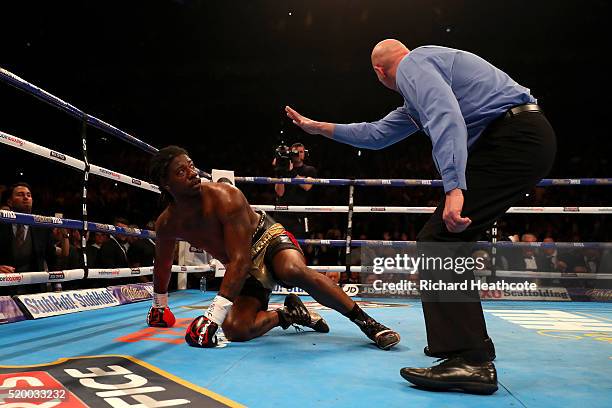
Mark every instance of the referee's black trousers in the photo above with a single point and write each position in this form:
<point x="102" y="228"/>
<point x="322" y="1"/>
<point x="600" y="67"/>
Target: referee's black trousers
<point x="507" y="161"/>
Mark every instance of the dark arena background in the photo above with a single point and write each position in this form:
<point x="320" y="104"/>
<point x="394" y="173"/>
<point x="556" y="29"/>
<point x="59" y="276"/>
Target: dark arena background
<point x="214" y="78"/>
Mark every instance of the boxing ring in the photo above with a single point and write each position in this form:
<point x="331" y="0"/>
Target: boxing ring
<point x="547" y="351"/>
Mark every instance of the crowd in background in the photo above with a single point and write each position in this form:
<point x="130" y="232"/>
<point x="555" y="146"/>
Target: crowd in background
<point x="114" y="203"/>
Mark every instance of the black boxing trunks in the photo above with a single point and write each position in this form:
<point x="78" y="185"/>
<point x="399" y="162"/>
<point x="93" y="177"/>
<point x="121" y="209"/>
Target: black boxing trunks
<point x="268" y="239"/>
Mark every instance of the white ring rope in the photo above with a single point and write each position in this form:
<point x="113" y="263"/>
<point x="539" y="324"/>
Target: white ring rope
<point x="100" y="273"/>
<point x="28" y="278"/>
<point x="42" y="151"/>
<point x="425" y="210"/>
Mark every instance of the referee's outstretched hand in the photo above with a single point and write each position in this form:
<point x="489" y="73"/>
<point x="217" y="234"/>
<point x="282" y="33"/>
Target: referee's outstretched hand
<point x="307" y="125"/>
<point x="310" y="126"/>
<point x="452" y="212"/>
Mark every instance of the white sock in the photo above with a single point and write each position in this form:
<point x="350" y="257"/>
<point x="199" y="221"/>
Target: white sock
<point x="160" y="300"/>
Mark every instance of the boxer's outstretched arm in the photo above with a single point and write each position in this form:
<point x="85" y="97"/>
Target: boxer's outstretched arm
<point x="232" y="210"/>
<point x="162" y="269"/>
<point x="159" y="314"/>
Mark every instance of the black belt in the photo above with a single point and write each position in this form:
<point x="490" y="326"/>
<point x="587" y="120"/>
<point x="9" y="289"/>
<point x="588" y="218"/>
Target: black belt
<point x="528" y="107"/>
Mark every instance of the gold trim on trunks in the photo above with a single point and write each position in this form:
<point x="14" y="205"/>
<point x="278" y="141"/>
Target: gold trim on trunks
<point x="260" y="224"/>
<point x="274" y="231"/>
<point x="258" y="254"/>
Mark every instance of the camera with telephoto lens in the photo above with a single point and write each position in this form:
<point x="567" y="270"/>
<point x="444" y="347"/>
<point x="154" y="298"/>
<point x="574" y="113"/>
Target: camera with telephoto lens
<point x="283" y="155"/>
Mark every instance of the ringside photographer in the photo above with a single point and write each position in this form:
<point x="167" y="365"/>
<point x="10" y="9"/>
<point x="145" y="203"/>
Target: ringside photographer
<point x="289" y="162"/>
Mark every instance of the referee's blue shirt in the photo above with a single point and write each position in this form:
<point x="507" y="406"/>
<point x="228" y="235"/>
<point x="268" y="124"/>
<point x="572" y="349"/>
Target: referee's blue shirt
<point x="452" y="96"/>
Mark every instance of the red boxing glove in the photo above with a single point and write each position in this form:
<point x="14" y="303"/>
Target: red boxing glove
<point x="160" y="317"/>
<point x="202" y="333"/>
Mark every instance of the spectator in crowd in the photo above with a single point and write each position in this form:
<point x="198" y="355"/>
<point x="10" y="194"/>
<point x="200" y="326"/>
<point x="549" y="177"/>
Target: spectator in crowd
<point x="76" y="244"/>
<point x="588" y="261"/>
<point x="290" y="194"/>
<point x="140" y="253"/>
<point x="25" y="248"/>
<point x="312" y="252"/>
<point x="386" y="251"/>
<point x="67" y="256"/>
<point x="334" y="276"/>
<point x="605" y="265"/>
<point x="96" y="240"/>
<point x="549" y="259"/>
<point x="113" y="253"/>
<point x="331" y="255"/>
<point x="529" y="260"/>
<point x="485" y="260"/>
<point x="523" y="258"/>
<point x="3" y="189"/>
<point x="581" y="261"/>
<point x="142" y="250"/>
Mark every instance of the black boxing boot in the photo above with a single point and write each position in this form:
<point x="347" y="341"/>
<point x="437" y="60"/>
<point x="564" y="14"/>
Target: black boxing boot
<point x="294" y="312"/>
<point x="489" y="348"/>
<point x="384" y="337"/>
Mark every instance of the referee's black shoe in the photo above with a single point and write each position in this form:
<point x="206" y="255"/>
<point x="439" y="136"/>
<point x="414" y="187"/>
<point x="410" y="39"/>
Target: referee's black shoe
<point x="455" y="374"/>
